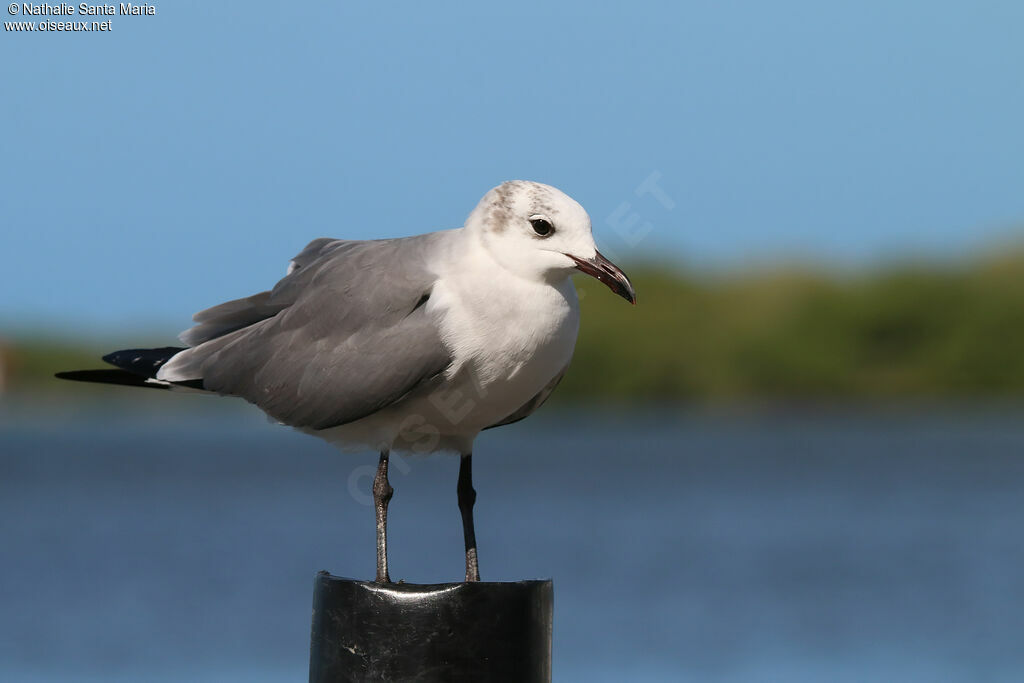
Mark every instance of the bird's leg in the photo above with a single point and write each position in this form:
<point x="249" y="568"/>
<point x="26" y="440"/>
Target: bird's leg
<point x="382" y="492"/>
<point x="467" y="496"/>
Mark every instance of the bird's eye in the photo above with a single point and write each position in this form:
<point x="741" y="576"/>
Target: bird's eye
<point x="541" y="225"/>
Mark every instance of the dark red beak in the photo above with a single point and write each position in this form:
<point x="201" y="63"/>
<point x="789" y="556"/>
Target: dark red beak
<point x="608" y="273"/>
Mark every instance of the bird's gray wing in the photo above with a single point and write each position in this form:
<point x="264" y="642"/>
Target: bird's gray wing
<point x="234" y="315"/>
<point x="351" y="335"/>
<point x="534" y="403"/>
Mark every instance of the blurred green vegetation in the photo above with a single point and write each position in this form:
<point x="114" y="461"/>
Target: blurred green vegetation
<point x="912" y="330"/>
<point x="29" y="363"/>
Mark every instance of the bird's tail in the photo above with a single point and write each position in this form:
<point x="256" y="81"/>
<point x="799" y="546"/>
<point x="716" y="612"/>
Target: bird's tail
<point x="135" y="368"/>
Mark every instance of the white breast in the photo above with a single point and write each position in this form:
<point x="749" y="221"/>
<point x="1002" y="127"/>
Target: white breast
<point x="509" y="336"/>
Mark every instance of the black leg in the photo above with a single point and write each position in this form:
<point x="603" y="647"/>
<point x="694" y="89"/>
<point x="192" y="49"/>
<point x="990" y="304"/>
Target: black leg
<point x="467" y="496"/>
<point x="381" y="496"/>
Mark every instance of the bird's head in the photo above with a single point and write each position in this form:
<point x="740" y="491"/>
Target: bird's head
<point x="539" y="232"/>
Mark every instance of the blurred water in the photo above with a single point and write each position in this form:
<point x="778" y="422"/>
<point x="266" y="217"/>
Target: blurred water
<point x="769" y="547"/>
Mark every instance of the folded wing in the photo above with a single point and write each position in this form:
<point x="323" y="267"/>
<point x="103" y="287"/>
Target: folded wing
<point x="343" y="335"/>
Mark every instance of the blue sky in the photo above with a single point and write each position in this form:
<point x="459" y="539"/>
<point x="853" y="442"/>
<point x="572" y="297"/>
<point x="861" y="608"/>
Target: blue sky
<point x="181" y="159"/>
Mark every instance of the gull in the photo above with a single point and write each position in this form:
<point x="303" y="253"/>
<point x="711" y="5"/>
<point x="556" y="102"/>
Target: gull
<point x="412" y="344"/>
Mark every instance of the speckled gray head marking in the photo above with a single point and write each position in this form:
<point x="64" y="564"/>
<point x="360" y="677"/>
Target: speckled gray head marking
<point x="500" y="209"/>
<point x="504" y="199"/>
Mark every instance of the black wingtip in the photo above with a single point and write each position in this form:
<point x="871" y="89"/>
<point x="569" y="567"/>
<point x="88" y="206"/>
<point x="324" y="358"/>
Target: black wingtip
<point x="78" y="375"/>
<point x="121" y="377"/>
<point x="142" y="362"/>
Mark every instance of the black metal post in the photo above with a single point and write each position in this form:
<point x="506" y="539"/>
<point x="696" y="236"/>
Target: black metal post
<point x="452" y="632"/>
